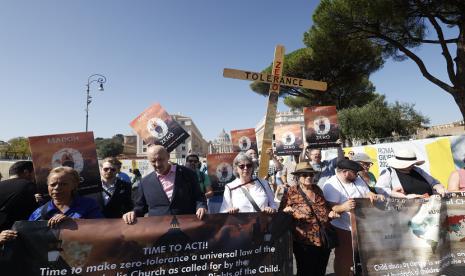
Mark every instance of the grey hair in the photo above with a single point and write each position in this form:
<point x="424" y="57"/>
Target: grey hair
<point x="241" y="157"/>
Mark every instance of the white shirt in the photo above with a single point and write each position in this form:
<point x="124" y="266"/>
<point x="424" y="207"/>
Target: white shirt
<point x="261" y="194"/>
<point x="389" y="180"/>
<point x="338" y="192"/>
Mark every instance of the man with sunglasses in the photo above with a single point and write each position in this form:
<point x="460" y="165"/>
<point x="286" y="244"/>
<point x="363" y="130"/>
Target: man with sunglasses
<point x="170" y="189"/>
<point x="193" y="163"/>
<point x="116" y="195"/>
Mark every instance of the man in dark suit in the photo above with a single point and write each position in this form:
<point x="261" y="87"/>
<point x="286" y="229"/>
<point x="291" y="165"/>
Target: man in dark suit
<point x="116" y="195"/>
<point x="17" y="199"/>
<point x="169" y="190"/>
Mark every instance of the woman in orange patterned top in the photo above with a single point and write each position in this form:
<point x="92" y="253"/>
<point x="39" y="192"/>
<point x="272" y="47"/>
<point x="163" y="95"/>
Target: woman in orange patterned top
<point x="311" y="257"/>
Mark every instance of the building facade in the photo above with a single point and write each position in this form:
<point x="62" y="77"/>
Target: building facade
<point x="454" y="128"/>
<point x="222" y="144"/>
<point x="129" y="145"/>
<point x="282" y="118"/>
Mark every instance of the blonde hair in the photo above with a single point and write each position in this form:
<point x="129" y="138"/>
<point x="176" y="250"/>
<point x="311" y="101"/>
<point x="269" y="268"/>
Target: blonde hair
<point x="67" y="170"/>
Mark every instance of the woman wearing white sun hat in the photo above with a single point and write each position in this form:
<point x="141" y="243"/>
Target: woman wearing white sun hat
<point x="404" y="179"/>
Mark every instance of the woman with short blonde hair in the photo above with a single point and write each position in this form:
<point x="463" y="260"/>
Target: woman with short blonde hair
<point x="65" y="203"/>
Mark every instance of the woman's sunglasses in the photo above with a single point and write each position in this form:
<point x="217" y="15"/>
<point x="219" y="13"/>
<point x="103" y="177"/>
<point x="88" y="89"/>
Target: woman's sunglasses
<point x="242" y="166"/>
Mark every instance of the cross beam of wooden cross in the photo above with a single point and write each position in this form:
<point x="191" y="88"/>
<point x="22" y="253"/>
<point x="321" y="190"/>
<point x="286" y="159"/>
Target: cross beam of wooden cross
<point x="276" y="80"/>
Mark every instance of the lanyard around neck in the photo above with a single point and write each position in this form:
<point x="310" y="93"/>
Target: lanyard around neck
<point x="342" y="185"/>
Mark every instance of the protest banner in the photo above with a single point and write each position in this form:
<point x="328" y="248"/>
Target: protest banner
<point x="243" y="140"/>
<point x="220" y="170"/>
<point x="442" y="155"/>
<point x="410" y="236"/>
<point x="155" y="126"/>
<point x="228" y="245"/>
<point x="288" y="139"/>
<point x="143" y="165"/>
<point x="321" y="126"/>
<point x="75" y="150"/>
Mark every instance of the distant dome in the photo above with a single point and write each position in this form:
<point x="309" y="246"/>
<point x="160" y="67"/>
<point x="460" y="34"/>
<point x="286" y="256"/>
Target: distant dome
<point x="223" y="137"/>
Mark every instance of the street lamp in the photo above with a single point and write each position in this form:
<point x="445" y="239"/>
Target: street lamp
<point x="100" y="79"/>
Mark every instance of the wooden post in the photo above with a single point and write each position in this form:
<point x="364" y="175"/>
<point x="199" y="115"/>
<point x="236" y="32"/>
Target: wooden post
<point x="276" y="79"/>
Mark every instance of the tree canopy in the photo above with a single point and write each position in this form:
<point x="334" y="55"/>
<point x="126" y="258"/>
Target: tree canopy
<point x="19" y="145"/>
<point x="363" y="123"/>
<point x="108" y="147"/>
<point x="344" y="64"/>
<point x="398" y="27"/>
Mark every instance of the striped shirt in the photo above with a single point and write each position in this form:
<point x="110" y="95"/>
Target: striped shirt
<point x="167" y="181"/>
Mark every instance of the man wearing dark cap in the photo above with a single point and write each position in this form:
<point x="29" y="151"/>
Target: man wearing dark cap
<point x="340" y="191"/>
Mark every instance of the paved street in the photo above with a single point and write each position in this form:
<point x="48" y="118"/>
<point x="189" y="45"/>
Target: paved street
<point x="329" y="268"/>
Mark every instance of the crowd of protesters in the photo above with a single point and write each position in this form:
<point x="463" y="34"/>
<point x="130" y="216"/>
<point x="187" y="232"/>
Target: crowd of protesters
<point x="312" y="191"/>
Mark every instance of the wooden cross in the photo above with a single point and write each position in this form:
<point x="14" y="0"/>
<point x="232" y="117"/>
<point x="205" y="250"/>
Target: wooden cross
<point x="276" y="79"/>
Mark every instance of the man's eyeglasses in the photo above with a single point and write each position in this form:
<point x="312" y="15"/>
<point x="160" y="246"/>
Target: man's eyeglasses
<point x="307" y="174"/>
<point x="243" y="166"/>
<point x="109" y="169"/>
<point x="366" y="164"/>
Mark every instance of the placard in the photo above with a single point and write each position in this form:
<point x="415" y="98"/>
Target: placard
<point x="321" y="126"/>
<point x="75" y="150"/>
<point x="243" y="140"/>
<point x="220" y="170"/>
<point x="156" y="126"/>
<point x="288" y="139"/>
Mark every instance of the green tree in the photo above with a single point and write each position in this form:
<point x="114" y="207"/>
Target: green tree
<point x="119" y="138"/>
<point x="363" y="123"/>
<point x="19" y="146"/>
<point x="344" y="64"/>
<point x="108" y="147"/>
<point x="398" y="27"/>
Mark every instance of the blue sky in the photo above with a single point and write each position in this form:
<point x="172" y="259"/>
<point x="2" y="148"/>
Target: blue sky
<point x="167" y="51"/>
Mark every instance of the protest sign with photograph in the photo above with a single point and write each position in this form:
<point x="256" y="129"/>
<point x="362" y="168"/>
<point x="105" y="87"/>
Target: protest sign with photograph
<point x="156" y="126"/>
<point x="220" y="170"/>
<point x="321" y="126"/>
<point x="244" y="139"/>
<point x="288" y="139"/>
<point x="75" y="150"/>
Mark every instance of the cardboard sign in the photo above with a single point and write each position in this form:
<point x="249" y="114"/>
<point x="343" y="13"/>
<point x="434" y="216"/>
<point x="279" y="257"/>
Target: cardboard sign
<point x="220" y="170"/>
<point x="321" y="126"/>
<point x="155" y="126"/>
<point x="75" y="150"/>
<point x="243" y="140"/>
<point x="288" y="139"/>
